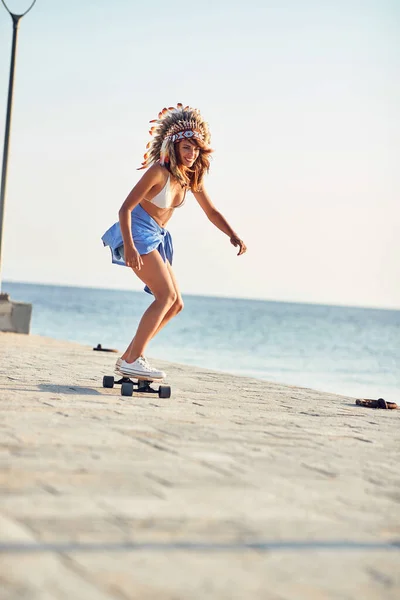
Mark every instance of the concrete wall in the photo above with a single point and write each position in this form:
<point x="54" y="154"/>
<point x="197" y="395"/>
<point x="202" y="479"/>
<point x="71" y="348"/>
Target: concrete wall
<point x="14" y="316"/>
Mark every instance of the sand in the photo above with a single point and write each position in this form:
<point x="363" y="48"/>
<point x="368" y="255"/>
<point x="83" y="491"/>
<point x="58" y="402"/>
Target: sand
<point x="233" y="488"/>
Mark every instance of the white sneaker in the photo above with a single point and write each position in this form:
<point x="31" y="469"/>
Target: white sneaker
<point x="141" y="369"/>
<point x="117" y="368"/>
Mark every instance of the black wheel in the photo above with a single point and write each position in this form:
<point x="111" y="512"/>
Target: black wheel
<point x="108" y="381"/>
<point x="127" y="388"/>
<point x="164" y="391"/>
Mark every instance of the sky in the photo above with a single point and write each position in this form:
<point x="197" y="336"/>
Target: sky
<point x="302" y="98"/>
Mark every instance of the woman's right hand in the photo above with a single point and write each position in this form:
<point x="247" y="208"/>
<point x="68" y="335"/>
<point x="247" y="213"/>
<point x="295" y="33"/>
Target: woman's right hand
<point x="132" y="257"/>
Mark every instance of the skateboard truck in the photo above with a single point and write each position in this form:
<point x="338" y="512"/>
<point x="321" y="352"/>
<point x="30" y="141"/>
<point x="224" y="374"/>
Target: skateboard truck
<point x="143" y="386"/>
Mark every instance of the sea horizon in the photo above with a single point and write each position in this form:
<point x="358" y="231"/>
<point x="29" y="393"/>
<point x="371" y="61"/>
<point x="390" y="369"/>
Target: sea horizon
<point x="216" y="296"/>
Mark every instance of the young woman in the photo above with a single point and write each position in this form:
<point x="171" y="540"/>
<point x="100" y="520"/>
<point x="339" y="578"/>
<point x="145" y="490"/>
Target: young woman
<point x="179" y="158"/>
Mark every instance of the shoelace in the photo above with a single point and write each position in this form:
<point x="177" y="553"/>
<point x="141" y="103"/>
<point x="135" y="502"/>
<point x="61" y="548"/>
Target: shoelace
<point x="144" y="362"/>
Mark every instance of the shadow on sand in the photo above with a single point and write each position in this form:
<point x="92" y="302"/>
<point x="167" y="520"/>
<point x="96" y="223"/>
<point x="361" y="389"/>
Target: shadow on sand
<point x="260" y="546"/>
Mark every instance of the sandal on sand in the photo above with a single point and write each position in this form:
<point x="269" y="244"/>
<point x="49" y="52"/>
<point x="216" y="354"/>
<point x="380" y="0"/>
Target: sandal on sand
<point x="380" y="403"/>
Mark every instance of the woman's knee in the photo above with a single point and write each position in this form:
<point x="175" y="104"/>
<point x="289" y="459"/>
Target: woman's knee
<point x="167" y="298"/>
<point x="178" y="305"/>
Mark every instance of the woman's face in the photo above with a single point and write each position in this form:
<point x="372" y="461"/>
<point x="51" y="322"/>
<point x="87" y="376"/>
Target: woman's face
<point x="188" y="152"/>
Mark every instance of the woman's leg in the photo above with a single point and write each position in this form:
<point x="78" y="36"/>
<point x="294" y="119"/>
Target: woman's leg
<point x="154" y="273"/>
<point x="177" y="306"/>
<point x="172" y="312"/>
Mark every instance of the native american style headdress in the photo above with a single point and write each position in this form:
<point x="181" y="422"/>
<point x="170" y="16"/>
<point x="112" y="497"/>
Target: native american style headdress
<point x="172" y="126"/>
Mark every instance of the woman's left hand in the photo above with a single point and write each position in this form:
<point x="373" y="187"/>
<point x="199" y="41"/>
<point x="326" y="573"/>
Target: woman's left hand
<point x="236" y="241"/>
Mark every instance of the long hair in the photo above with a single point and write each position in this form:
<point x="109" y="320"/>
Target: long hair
<point x="172" y="126"/>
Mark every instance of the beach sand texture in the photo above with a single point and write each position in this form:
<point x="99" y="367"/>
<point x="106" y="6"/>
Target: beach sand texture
<point x="233" y="488"/>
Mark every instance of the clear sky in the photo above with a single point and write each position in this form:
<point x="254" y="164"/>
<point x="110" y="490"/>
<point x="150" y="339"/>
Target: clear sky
<point x="302" y="98"/>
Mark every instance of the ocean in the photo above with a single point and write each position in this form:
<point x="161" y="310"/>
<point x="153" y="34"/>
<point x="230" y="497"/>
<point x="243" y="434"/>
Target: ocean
<point x="343" y="350"/>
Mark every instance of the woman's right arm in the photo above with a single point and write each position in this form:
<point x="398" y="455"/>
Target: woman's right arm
<point x="151" y="178"/>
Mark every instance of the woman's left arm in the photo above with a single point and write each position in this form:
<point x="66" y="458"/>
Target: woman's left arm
<point x="219" y="220"/>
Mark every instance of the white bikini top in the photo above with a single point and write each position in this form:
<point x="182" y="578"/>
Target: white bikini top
<point x="164" y="198"/>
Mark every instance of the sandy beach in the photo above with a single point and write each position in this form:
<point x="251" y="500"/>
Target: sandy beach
<point x="233" y="488"/>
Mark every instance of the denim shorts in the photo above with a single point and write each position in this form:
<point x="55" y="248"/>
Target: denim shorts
<point x="147" y="236"/>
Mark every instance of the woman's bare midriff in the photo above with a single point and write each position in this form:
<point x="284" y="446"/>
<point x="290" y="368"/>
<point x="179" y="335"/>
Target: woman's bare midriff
<point x="160" y="215"/>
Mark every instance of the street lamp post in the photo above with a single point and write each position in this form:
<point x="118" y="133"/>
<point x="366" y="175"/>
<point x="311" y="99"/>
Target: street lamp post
<point x="15" y="20"/>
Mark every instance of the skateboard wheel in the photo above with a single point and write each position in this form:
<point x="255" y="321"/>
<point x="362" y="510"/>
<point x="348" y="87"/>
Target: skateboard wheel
<point x="164" y="391"/>
<point x="127" y="388"/>
<point x="108" y="381"/>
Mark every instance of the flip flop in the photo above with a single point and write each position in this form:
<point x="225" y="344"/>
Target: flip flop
<point x="100" y="348"/>
<point x="380" y="403"/>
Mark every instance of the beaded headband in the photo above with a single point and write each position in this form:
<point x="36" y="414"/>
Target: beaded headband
<point x="186" y="134"/>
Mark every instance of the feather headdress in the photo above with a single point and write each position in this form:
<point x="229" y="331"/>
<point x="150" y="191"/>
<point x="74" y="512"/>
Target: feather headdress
<point x="171" y="126"/>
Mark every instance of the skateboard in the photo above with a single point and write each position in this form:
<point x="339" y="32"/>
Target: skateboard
<point x="143" y="386"/>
